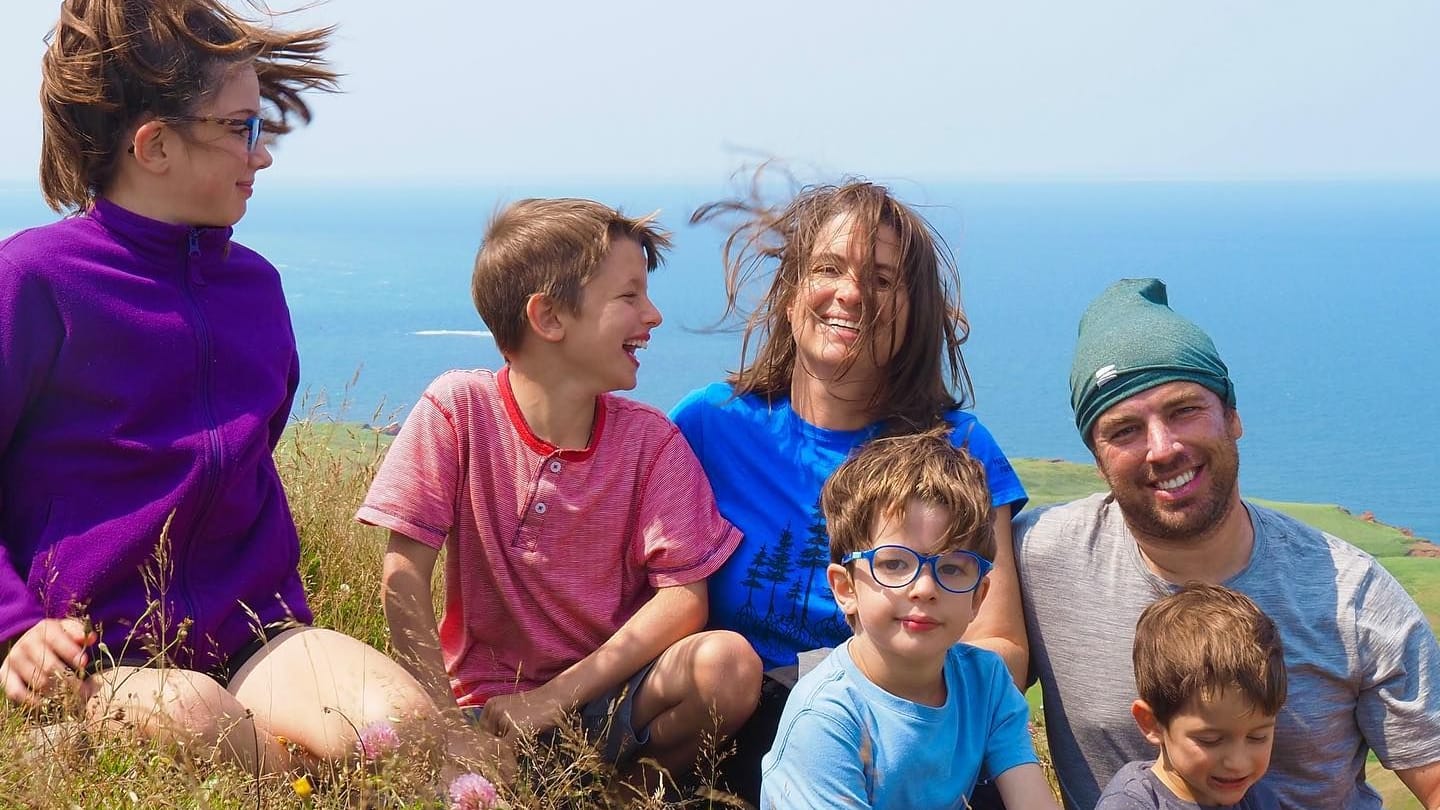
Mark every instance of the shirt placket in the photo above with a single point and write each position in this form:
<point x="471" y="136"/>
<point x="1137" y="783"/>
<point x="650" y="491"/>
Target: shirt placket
<point x="544" y="497"/>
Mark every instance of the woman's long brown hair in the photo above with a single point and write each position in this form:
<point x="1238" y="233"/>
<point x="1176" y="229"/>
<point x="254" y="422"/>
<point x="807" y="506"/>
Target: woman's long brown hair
<point x="926" y="375"/>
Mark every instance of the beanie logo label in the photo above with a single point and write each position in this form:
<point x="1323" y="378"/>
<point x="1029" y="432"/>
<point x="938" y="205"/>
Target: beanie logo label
<point x="1105" y="374"/>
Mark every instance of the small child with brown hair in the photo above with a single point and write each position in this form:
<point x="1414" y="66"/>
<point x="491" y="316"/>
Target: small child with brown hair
<point x="901" y="714"/>
<point x="1210" y="672"/>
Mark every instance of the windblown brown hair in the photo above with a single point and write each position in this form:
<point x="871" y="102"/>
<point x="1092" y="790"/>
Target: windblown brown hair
<point x="1202" y="640"/>
<point x="891" y="471"/>
<point x="111" y="65"/>
<point x="926" y="376"/>
<point x="549" y="247"/>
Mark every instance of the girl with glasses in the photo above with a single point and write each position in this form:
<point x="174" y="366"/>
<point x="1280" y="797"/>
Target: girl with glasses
<point x="857" y="335"/>
<point x="147" y="369"/>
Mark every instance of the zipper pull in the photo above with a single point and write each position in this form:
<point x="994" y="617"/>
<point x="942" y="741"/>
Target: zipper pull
<point x="196" y="276"/>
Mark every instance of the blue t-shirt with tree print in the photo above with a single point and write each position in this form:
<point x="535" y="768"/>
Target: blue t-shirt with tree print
<point x="767" y="465"/>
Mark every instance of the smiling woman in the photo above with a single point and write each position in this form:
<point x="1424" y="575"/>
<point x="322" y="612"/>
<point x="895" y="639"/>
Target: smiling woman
<point x="857" y="336"/>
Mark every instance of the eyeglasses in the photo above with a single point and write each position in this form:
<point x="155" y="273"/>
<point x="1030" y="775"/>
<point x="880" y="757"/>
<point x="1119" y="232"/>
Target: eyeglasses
<point x="898" y="566"/>
<point x="254" y="126"/>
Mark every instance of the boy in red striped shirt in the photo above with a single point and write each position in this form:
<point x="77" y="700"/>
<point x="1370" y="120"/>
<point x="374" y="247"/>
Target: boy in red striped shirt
<point x="579" y="527"/>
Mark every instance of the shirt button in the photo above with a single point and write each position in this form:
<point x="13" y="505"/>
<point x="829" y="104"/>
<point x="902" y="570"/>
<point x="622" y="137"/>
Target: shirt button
<point x="540" y="508"/>
<point x="555" y="466"/>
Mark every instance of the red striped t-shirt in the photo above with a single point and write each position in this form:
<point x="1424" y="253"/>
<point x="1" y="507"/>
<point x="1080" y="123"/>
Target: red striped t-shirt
<point x="548" y="551"/>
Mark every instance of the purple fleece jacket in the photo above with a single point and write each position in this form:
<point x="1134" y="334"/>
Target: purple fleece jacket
<point x="146" y="372"/>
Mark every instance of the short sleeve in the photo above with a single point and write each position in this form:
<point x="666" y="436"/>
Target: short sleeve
<point x="1398" y="709"/>
<point x="816" y="764"/>
<point x="685" y="538"/>
<point x="1005" y="486"/>
<point x="414" y="493"/>
<point x="1009" y="743"/>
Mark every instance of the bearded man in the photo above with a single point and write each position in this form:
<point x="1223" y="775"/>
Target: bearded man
<point x="1156" y="406"/>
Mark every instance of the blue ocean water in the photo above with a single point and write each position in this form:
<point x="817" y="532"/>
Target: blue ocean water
<point x="1321" y="297"/>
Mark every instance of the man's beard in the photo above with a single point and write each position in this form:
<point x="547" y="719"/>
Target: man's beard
<point x="1202" y="513"/>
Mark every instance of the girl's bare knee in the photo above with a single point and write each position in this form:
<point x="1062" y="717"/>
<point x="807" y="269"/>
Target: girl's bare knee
<point x="383" y="700"/>
<point x="168" y="706"/>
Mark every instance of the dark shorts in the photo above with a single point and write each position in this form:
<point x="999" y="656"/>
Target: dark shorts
<point x="606" y="721"/>
<point x="740" y="772"/>
<point x="222" y="673"/>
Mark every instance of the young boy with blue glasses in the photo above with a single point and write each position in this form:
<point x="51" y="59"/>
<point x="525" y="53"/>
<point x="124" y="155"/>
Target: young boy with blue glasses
<point x="579" y="529"/>
<point x="901" y="714"/>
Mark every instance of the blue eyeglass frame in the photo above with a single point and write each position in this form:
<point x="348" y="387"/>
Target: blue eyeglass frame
<point x="254" y="126"/>
<point x="931" y="560"/>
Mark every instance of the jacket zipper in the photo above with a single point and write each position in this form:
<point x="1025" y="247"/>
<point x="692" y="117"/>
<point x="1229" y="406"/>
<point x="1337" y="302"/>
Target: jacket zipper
<point x="211" y="475"/>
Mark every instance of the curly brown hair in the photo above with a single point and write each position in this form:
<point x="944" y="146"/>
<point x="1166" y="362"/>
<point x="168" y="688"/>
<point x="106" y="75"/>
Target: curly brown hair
<point x="111" y="65"/>
<point x="927" y="375"/>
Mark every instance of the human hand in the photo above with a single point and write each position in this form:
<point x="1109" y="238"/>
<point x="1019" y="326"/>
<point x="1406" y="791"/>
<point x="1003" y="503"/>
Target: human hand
<point x="44" y="657"/>
<point x="474" y="750"/>
<point x="534" y="711"/>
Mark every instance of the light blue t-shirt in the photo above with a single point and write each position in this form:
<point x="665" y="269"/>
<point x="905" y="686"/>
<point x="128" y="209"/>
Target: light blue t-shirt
<point x="845" y="742"/>
<point x="766" y="466"/>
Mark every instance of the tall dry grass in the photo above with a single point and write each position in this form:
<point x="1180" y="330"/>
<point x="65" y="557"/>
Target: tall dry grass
<point x="48" y="761"/>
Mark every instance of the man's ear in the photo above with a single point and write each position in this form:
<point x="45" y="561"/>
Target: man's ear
<point x="1232" y="424"/>
<point x="153" y="145"/>
<point x="843" y="587"/>
<point x="543" y="316"/>
<point x="1149" y="725"/>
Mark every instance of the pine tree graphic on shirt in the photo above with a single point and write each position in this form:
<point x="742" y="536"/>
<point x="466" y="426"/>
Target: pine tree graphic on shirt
<point x="814" y="552"/>
<point x="777" y="568"/>
<point x="752" y="581"/>
<point x="790" y="569"/>
<point x="793" y="619"/>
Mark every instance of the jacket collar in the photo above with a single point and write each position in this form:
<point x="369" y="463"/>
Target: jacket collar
<point x="156" y="240"/>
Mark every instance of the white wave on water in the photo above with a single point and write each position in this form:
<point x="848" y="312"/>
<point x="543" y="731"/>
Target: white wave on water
<point x="462" y="332"/>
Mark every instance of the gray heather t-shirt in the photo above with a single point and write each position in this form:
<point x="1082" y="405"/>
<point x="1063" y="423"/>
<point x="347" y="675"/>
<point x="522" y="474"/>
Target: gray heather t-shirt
<point x="1363" y="664"/>
<point x="1136" y="787"/>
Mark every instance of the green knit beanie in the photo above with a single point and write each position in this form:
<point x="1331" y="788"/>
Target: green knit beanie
<point x="1131" y="341"/>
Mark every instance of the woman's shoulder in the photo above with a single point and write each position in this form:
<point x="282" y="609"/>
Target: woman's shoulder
<point x="960" y="418"/>
<point x="720" y="401"/>
<point x="714" y="395"/>
<point x="967" y="431"/>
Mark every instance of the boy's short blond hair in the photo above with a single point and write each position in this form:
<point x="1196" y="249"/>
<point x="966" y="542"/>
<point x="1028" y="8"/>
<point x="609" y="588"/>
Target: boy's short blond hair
<point x="889" y="472"/>
<point x="1201" y="641"/>
<point x="548" y="247"/>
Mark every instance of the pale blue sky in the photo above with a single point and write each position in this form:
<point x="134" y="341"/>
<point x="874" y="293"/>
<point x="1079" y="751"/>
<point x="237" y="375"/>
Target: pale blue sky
<point x="648" y="91"/>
